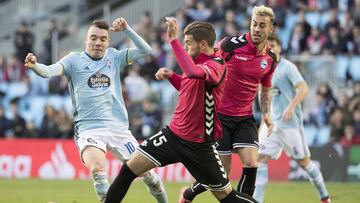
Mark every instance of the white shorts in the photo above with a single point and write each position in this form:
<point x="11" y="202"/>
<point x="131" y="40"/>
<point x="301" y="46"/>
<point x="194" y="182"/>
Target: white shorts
<point x="292" y="140"/>
<point x="121" y="144"/>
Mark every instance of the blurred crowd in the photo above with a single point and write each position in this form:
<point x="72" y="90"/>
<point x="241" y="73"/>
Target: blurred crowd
<point x="306" y="27"/>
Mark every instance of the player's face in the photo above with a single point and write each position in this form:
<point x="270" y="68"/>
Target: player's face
<point x="191" y="46"/>
<point x="260" y="28"/>
<point x="275" y="47"/>
<point x="97" y="41"/>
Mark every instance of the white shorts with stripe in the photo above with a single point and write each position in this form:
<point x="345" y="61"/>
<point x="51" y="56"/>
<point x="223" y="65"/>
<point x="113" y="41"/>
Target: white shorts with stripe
<point x="291" y="140"/>
<point x="121" y="144"/>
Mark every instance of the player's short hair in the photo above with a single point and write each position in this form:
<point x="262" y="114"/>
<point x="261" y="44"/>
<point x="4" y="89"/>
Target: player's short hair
<point x="201" y="31"/>
<point x="101" y="24"/>
<point x="264" y="11"/>
<point x="274" y="37"/>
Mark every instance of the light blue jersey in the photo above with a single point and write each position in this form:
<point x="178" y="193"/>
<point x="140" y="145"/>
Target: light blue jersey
<point x="285" y="78"/>
<point x="95" y="89"/>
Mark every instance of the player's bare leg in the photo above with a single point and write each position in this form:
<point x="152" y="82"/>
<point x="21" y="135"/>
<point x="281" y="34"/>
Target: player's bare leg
<point x="94" y="160"/>
<point x="248" y="156"/>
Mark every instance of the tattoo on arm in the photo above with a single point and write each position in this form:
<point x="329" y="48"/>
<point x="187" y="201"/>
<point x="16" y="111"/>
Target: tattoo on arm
<point x="265" y="99"/>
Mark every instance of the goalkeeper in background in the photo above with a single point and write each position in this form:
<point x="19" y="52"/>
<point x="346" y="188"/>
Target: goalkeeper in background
<point x="288" y="91"/>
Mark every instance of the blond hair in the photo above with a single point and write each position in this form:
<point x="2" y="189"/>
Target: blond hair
<point x="264" y="11"/>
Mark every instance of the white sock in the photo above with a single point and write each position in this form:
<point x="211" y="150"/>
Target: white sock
<point x="156" y="187"/>
<point x="262" y="180"/>
<point x="317" y="179"/>
<point x="101" y="185"/>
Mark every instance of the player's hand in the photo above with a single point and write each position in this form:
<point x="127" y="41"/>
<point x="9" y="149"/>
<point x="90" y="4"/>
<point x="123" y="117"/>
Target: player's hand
<point x="119" y="25"/>
<point x="268" y="122"/>
<point x="163" y="74"/>
<point x="172" y="28"/>
<point x="30" y="60"/>
<point x="288" y="113"/>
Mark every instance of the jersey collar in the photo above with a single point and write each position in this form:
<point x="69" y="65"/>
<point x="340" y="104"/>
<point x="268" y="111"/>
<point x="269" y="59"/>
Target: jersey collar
<point x="202" y="57"/>
<point x="253" y="46"/>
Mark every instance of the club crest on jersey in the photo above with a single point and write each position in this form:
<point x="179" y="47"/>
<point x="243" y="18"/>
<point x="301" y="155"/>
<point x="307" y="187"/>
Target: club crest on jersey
<point x="263" y="63"/>
<point x="99" y="80"/>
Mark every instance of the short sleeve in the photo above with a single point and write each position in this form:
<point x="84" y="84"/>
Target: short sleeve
<point x="68" y="62"/>
<point x="121" y="57"/>
<point x="294" y="75"/>
<point x="266" y="80"/>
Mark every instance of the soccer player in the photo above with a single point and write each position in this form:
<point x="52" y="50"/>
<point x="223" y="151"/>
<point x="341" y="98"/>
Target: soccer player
<point x="100" y="117"/>
<point x="288" y="91"/>
<point x="250" y="62"/>
<point x="189" y="138"/>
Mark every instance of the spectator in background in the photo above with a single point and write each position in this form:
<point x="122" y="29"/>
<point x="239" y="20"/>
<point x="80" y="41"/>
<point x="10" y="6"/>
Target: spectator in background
<point x="5" y="123"/>
<point x="335" y="44"/>
<point x="354" y="102"/>
<point x="64" y="123"/>
<point x="49" y="127"/>
<point x="343" y="105"/>
<point x="146" y="27"/>
<point x="353" y="40"/>
<point x="355" y="12"/>
<point x="14" y="71"/>
<point x="18" y="122"/>
<point x="23" y="41"/>
<point x="356" y="118"/>
<point x="3" y="68"/>
<point x="137" y="87"/>
<point x="200" y="12"/>
<point x="280" y="13"/>
<point x="350" y="137"/>
<point x="151" y="118"/>
<point x="337" y="125"/>
<point x="332" y="21"/>
<point x="315" y="42"/>
<point x="297" y="41"/>
<point x="317" y="116"/>
<point x="55" y="32"/>
<point x="218" y="11"/>
<point x="330" y="102"/>
<point x="58" y="85"/>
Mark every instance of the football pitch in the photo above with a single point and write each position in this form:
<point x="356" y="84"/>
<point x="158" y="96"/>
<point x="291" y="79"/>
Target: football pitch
<point x="81" y="191"/>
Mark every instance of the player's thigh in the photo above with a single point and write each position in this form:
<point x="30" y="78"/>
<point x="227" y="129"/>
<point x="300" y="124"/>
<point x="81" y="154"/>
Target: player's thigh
<point x="122" y="144"/>
<point x="248" y="156"/>
<point x="161" y="149"/>
<point x="203" y="162"/>
<point x="94" y="158"/>
<point x="294" y="143"/>
<point x="224" y="144"/>
<point x="269" y="145"/>
<point x="139" y="164"/>
<point x="246" y="134"/>
<point x="92" y="147"/>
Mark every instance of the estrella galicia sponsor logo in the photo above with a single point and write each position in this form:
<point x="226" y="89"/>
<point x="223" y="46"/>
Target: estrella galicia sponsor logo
<point x="263" y="63"/>
<point x="99" y="80"/>
<point x="90" y="140"/>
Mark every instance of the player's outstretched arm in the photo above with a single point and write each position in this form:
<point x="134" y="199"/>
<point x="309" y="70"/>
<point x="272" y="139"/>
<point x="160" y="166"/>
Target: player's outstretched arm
<point x="41" y="69"/>
<point x="142" y="47"/>
<point x="175" y="79"/>
<point x="185" y="62"/>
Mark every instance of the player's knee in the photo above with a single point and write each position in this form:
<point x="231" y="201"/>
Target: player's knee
<point x="96" y="167"/>
<point x="251" y="163"/>
<point x="222" y="194"/>
<point x="263" y="158"/>
<point x="303" y="162"/>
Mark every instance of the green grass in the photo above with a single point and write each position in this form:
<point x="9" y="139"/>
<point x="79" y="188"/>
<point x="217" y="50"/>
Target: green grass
<point x="81" y="191"/>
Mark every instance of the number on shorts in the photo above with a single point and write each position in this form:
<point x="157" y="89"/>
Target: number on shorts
<point x="130" y="147"/>
<point x="159" y="141"/>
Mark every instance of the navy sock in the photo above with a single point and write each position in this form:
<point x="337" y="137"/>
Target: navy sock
<point x="120" y="186"/>
<point x="195" y="189"/>
<point x="247" y="181"/>
<point x="238" y="197"/>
